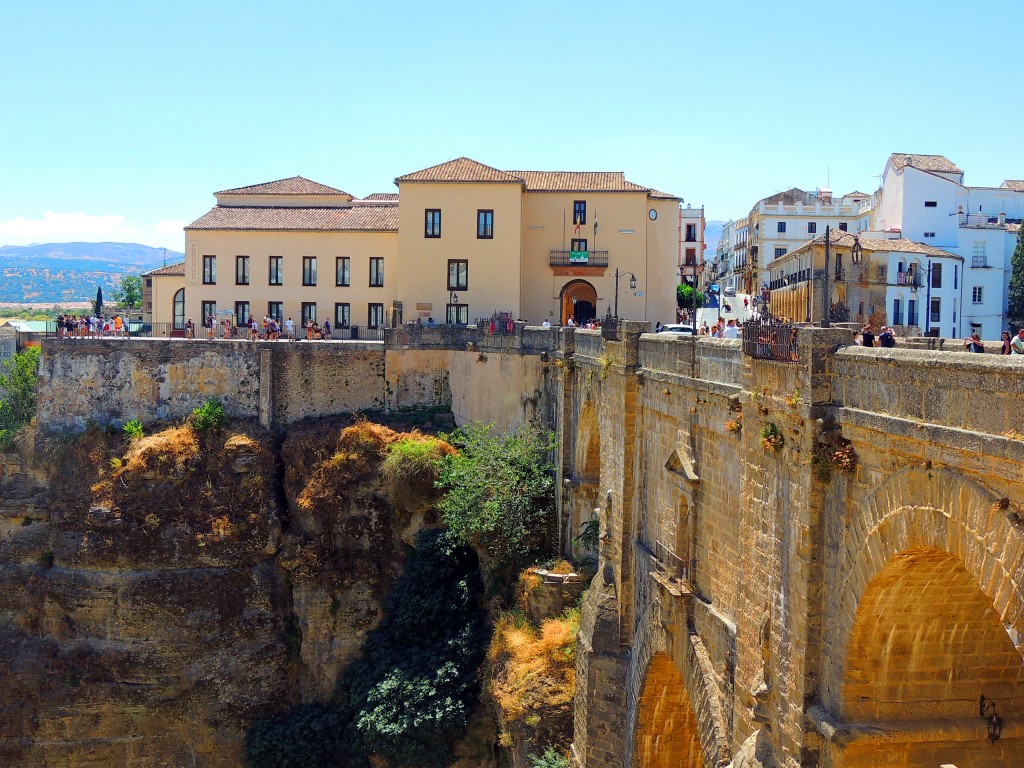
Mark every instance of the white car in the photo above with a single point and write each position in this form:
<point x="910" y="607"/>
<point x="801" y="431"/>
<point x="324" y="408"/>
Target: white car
<point x="677" y="328"/>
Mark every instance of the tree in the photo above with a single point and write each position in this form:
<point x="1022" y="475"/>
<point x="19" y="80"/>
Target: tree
<point x="499" y="491"/>
<point x="1015" y="297"/>
<point x="684" y="296"/>
<point x="18" y="385"/>
<point x="129" y="294"/>
<point x="99" y="301"/>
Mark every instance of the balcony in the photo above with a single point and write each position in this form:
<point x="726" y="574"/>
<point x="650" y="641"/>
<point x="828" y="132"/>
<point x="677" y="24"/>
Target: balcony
<point x="913" y="279"/>
<point x="574" y="259"/>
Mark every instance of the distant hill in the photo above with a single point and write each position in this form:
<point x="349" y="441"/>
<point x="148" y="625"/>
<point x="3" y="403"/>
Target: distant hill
<point x="712" y="234"/>
<point x="66" y="272"/>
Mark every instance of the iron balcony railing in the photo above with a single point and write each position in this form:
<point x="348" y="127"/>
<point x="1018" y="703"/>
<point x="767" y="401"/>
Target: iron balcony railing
<point x="768" y="338"/>
<point x="574" y="259"/>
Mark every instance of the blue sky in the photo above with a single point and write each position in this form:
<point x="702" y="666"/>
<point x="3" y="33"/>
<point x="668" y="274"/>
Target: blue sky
<point x="119" y="120"/>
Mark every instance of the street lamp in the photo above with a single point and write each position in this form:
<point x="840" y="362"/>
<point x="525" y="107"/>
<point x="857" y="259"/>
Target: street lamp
<point x="632" y="287"/>
<point x="453" y="298"/>
<point x="825" y="322"/>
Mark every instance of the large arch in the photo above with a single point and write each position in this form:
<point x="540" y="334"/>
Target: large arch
<point x="922" y="616"/>
<point x="667" y="735"/>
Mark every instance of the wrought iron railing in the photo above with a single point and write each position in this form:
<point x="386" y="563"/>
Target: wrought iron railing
<point x="768" y="338"/>
<point x="572" y="259"/>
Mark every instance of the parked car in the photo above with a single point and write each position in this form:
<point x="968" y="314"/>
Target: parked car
<point x="730" y="291"/>
<point x="677" y="328"/>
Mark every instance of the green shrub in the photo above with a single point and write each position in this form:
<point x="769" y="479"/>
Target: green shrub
<point x="499" y="491"/>
<point x="18" y="404"/>
<point x="208" y="417"/>
<point x="551" y="758"/>
<point x="133" y="429"/>
<point x="411" y="468"/>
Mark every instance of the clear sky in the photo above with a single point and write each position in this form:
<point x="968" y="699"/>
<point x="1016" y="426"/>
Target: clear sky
<point x="120" y="119"/>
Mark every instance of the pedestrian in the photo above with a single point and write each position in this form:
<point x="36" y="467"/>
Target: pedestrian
<point x="572" y="321"/>
<point x="327" y="330"/>
<point x="546" y="323"/>
<point x="1005" y="348"/>
<point x="657" y="327"/>
<point x="732" y="330"/>
<point x="887" y="338"/>
<point x="190" y="329"/>
<point x="973" y="343"/>
<point x="1017" y="343"/>
<point x="211" y="323"/>
<point x="867" y="338"/>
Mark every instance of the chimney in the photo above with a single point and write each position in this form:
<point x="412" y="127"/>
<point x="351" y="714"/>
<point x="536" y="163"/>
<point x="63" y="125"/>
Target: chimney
<point x="1002" y="219"/>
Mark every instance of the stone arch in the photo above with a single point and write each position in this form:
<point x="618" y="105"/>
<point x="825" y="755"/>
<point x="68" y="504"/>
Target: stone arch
<point x="587" y="453"/>
<point x="923" y="613"/>
<point x="580" y="495"/>
<point x="667" y="735"/>
<point x="586" y="301"/>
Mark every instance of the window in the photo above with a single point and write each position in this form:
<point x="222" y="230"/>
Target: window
<point x="276" y="310"/>
<point x="432" y="222"/>
<point x="691" y="257"/>
<point x="342" y="269"/>
<point x="149" y="282"/>
<point x="782" y="226"/>
<point x="309" y="270"/>
<point x="979" y="257"/>
<point x="484" y="225"/>
<point x="812" y="227"/>
<point x="458" y="274"/>
<point x="377" y="272"/>
<point x="579" y="212"/>
<point x="209" y="310"/>
<point x="457" y="314"/>
<point x="880" y="273"/>
<point x="375" y="315"/>
<point x="241" y="270"/>
<point x="912" y="312"/>
<point x="842" y="226"/>
<point x="691" y="233"/>
<point x="342" y="315"/>
<point x="956" y="272"/>
<point x="276" y="270"/>
<point x="308" y="311"/>
<point x="209" y="270"/>
<point x="578" y="244"/>
<point x="241" y="313"/>
<point x="936" y="310"/>
<point x="897" y="312"/>
<point x="179" y="310"/>
<point x="937" y="276"/>
<point x="976" y="294"/>
<point x="931" y="203"/>
<point x="929" y="234"/>
<point x="780" y="252"/>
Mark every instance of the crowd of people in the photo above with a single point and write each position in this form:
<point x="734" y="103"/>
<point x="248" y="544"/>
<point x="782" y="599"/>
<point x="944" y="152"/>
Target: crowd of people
<point x="91" y="326"/>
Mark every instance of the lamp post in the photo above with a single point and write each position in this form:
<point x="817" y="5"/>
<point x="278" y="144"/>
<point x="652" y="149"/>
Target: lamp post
<point x="453" y="312"/>
<point x="632" y="286"/>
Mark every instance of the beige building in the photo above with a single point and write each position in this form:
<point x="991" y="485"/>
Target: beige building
<point x="163" y="295"/>
<point x="462" y="241"/>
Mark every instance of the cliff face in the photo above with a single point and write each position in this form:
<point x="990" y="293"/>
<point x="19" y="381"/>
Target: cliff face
<point x="159" y="596"/>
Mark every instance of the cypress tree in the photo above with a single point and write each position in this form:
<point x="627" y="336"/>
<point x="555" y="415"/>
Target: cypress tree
<point x="1015" y="297"/>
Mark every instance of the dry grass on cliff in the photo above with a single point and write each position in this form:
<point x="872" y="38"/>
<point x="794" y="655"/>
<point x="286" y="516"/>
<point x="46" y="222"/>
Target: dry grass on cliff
<point x="410" y="470"/>
<point x="533" y="669"/>
<point x="168" y="452"/>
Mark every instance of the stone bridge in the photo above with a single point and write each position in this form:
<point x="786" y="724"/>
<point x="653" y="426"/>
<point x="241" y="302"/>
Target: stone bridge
<point x="801" y="563"/>
<point x="842" y="596"/>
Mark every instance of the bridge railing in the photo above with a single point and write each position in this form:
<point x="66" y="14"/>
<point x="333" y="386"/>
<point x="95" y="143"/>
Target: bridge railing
<point x="769" y="338"/>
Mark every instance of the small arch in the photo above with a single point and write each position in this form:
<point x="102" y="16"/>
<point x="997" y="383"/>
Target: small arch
<point x="585" y="306"/>
<point x="666" y="732"/>
<point x="179" y="309"/>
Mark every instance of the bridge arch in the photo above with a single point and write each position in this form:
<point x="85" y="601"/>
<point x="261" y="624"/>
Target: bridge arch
<point x="667" y="735"/>
<point x="924" y="616"/>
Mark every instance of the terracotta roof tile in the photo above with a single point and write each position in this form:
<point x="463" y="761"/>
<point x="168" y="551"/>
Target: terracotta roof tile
<point x="296" y="185"/>
<point x="932" y="163"/>
<point x="170" y="269"/>
<point x="460" y="170"/>
<point x="662" y="195"/>
<point x="1017" y="185"/>
<point x="1013" y="227"/>
<point x="577" y="181"/>
<point x="366" y="218"/>
<point x="390" y="196"/>
<point x="902" y="245"/>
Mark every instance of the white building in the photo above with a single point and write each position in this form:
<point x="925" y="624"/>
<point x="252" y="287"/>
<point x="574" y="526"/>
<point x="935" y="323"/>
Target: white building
<point x="923" y="198"/>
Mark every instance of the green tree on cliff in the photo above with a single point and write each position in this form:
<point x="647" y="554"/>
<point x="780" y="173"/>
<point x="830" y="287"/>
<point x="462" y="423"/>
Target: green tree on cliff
<point x="1015" y="298"/>
<point x="18" y="387"/>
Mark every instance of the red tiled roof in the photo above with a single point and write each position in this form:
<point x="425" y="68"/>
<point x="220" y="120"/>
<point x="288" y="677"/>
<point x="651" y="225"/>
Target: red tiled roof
<point x="933" y="163"/>
<point x="170" y="269"/>
<point x="365" y="218"/>
<point x="662" y="195"/>
<point x="296" y="185"/>
<point x="1016" y="185"/>
<point x="391" y="196"/>
<point x="461" y="170"/>
<point x="901" y="245"/>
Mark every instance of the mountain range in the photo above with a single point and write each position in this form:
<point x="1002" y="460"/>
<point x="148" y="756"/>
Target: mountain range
<point x="69" y="272"/>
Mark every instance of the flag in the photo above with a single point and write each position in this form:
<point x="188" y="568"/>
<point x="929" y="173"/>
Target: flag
<point x="577" y="230"/>
<point x="595" y="223"/>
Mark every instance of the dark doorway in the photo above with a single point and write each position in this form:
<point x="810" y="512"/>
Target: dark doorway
<point x="584" y="312"/>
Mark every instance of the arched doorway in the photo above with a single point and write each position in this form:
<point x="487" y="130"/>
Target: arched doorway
<point x="926" y="643"/>
<point x="579" y="300"/>
<point x="666" y="728"/>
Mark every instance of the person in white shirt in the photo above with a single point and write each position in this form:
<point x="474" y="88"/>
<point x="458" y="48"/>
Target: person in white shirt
<point x="289" y="329"/>
<point x="546" y="323"/>
<point x="731" y="331"/>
